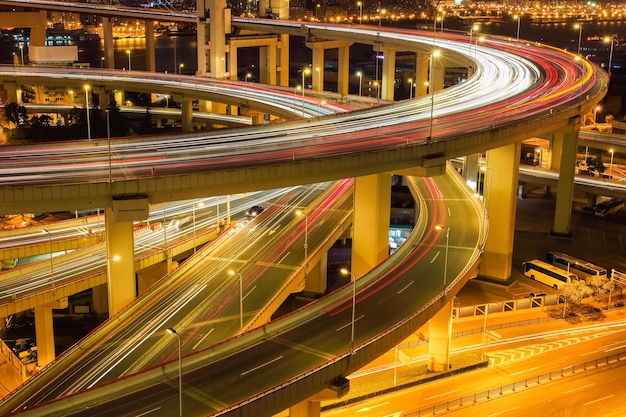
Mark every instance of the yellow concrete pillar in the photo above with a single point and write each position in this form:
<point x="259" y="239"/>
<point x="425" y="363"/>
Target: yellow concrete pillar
<point x="316" y="278"/>
<point x="107" y="31"/>
<point x="12" y="93"/>
<point x="100" y="301"/>
<point x="306" y="408"/>
<point x="421" y="74"/>
<point x="44" y="331"/>
<point x="470" y="170"/>
<point x="388" y="74"/>
<point x="372" y="211"/>
<point x="148" y="276"/>
<point x="186" y="114"/>
<point x="343" y="70"/>
<point x="233" y="64"/>
<point x="122" y="287"/>
<point x="317" y="72"/>
<point x="150" y="55"/>
<point x="440" y="332"/>
<point x="500" y="180"/>
<point x="566" y="138"/>
<point x="267" y="62"/>
<point x="283" y="60"/>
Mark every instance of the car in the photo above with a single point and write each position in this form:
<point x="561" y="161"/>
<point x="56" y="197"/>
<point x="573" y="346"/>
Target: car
<point x="255" y="211"/>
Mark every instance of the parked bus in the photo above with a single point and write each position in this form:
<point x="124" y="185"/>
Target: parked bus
<point x="585" y="270"/>
<point x="607" y="207"/>
<point x="547" y="274"/>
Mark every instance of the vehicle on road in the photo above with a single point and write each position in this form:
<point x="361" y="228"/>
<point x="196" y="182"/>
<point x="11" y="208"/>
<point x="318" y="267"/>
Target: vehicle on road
<point x="548" y="274"/>
<point x="607" y="207"/>
<point x="255" y="211"/>
<point x="583" y="269"/>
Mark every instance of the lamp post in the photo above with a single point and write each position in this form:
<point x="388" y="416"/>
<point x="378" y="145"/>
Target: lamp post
<point x="129" y="63"/>
<point x="360" y="4"/>
<point x="306" y="238"/>
<point x="171" y="330"/>
<point x="379" y="17"/>
<point x="72" y="96"/>
<point x="231" y="272"/>
<point x="360" y="75"/>
<point x="579" y="26"/>
<point x="248" y="75"/>
<point x="595" y="114"/>
<point x="445" y="268"/>
<point x="519" y="20"/>
<point x="410" y="88"/>
<point x="610" y="39"/>
<point x="22" y="54"/>
<point x="433" y="55"/>
<point x="305" y="71"/>
<point x="345" y="271"/>
<point x="180" y="68"/>
<point x="317" y="7"/>
<point x="109" y="142"/>
<point x="87" y="109"/>
<point x="442" y="15"/>
<point x="101" y="62"/>
<point x="50" y="250"/>
<point x="611" y="164"/>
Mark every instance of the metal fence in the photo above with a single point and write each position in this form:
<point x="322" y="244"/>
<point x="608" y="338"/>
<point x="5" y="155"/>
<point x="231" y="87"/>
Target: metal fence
<point x="515" y="386"/>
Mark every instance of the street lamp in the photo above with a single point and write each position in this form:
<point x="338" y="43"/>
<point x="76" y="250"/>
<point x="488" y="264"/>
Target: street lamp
<point x="445" y="268"/>
<point x="410" y="87"/>
<point x="611" y="164"/>
<point x="360" y="75"/>
<point x="360" y="4"/>
<point x="610" y="39"/>
<point x="72" y="95"/>
<point x="595" y="114"/>
<point x="519" y="20"/>
<point x="50" y="250"/>
<point x="87" y="109"/>
<point x="22" y="53"/>
<point x="101" y="62"/>
<point x="306" y="238"/>
<point x="305" y="71"/>
<point x="344" y="271"/>
<point x="433" y="55"/>
<point x="579" y="26"/>
<point x="317" y="7"/>
<point x="231" y="272"/>
<point x="248" y="76"/>
<point x="171" y="330"/>
<point x="193" y="216"/>
<point x="129" y="64"/>
<point x="180" y="68"/>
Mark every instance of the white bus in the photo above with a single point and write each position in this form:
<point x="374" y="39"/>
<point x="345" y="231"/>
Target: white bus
<point x="585" y="270"/>
<point x="607" y="207"/>
<point x="547" y="274"/>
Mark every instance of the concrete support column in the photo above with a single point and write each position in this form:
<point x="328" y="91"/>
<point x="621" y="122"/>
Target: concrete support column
<point x="421" y="74"/>
<point x="100" y="301"/>
<point x="150" y="56"/>
<point x="343" y="70"/>
<point x="267" y="63"/>
<point x="372" y="211"/>
<point x="317" y="72"/>
<point x="122" y="288"/>
<point x="316" y="278"/>
<point x="470" y="169"/>
<point x="500" y="191"/>
<point x="440" y="332"/>
<point x="439" y="73"/>
<point x="306" y="408"/>
<point x="233" y="64"/>
<point x="14" y="93"/>
<point x="186" y="115"/>
<point x="107" y="32"/>
<point x="591" y="199"/>
<point x="388" y="74"/>
<point x="283" y="60"/>
<point x="213" y="25"/>
<point x="44" y="331"/>
<point x="566" y="139"/>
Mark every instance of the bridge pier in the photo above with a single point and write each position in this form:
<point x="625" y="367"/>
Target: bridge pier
<point x="109" y="50"/>
<point x="44" y="331"/>
<point x="440" y="333"/>
<point x="421" y="74"/>
<point x="500" y="190"/>
<point x="316" y="277"/>
<point x="343" y="70"/>
<point x="565" y="139"/>
<point x="372" y="211"/>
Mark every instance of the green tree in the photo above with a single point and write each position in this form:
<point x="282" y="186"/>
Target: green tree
<point x="595" y="163"/>
<point x="16" y="114"/>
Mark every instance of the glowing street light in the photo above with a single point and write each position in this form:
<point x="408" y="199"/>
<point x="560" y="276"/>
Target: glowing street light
<point x="410" y="87"/>
<point x="610" y="39"/>
<point x="595" y="114"/>
<point x="171" y="330"/>
<point x="306" y="238"/>
<point x="579" y="26"/>
<point x="50" y="250"/>
<point x="519" y="20"/>
<point x="360" y="4"/>
<point x="445" y="268"/>
<point x="87" y="109"/>
<point x="360" y="75"/>
<point x="611" y="164"/>
<point x="22" y="53"/>
<point x="345" y="271"/>
<point x="180" y="68"/>
<point x="305" y="71"/>
<point x="129" y="63"/>
<point x="231" y="272"/>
